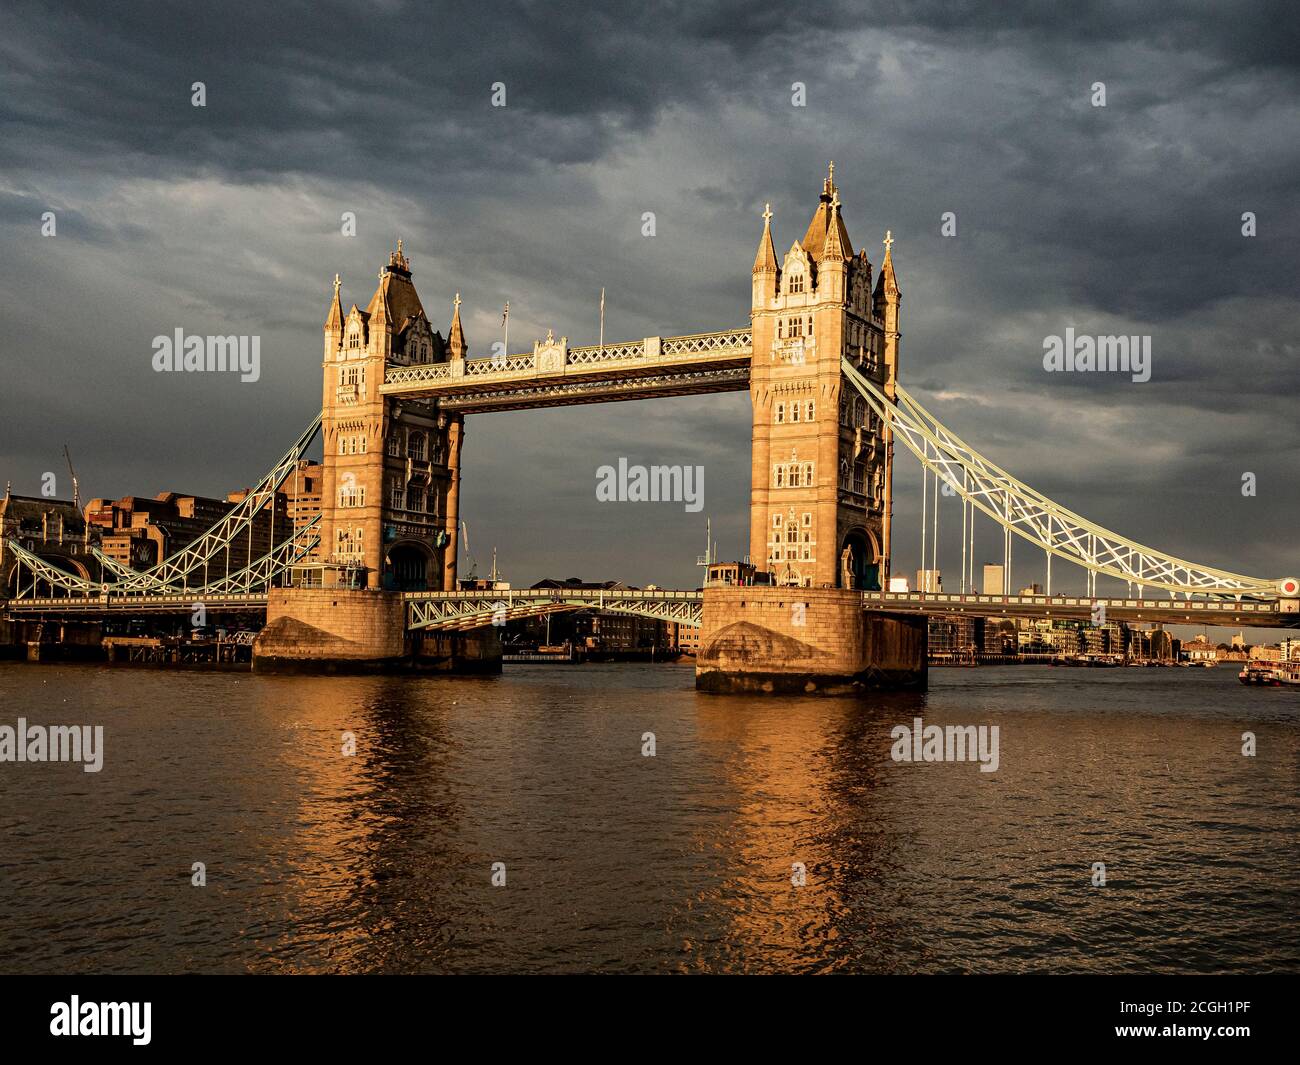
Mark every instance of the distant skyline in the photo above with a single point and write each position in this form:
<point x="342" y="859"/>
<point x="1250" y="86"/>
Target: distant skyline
<point x="226" y="219"/>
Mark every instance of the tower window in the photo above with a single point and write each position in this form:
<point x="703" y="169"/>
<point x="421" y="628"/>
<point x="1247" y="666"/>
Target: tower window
<point x="811" y="410"/>
<point x="352" y="495"/>
<point x="794" y="411"/>
<point x="780" y="413"/>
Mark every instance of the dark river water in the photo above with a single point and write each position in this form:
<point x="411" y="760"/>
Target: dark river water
<point x="382" y="861"/>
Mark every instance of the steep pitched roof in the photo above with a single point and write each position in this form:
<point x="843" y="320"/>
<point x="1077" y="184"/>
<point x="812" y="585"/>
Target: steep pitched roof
<point x="395" y="301"/>
<point x="833" y="245"/>
<point x="814" y="241"/>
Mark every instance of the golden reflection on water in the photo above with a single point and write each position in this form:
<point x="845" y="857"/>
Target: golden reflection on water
<point x="380" y="861"/>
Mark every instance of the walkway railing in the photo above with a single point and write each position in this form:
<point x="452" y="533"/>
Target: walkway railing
<point x="652" y="351"/>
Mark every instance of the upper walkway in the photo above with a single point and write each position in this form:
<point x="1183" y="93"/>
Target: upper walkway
<point x="556" y="375"/>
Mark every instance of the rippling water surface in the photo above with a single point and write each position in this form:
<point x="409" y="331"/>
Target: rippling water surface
<point x="382" y="861"/>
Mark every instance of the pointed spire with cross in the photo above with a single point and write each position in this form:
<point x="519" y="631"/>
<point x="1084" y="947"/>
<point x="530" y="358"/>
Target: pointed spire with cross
<point x="765" y="260"/>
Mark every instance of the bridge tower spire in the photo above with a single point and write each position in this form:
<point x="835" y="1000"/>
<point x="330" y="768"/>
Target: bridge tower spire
<point x="456" y="345"/>
<point x="765" y="271"/>
<point x="885" y="303"/>
<point x="817" y="502"/>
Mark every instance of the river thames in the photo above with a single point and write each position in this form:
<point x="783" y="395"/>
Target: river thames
<point x="382" y="861"/>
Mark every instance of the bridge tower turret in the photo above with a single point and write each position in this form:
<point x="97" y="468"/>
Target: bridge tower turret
<point x="390" y="485"/>
<point x="885" y="304"/>
<point x="819" y="470"/>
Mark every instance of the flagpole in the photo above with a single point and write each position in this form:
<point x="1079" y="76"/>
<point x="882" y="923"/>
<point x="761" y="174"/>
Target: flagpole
<point x="602" y="322"/>
<point x="505" y="321"/>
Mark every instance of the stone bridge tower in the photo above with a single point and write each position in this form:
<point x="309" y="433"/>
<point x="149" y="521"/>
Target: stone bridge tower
<point x="821" y="480"/>
<point x="390" y="488"/>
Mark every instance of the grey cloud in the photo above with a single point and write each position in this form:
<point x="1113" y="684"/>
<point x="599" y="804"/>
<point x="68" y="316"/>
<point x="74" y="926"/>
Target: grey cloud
<point x="1128" y="215"/>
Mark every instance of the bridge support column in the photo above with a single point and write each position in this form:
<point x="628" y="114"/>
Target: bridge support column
<point x="343" y="630"/>
<point x="805" y="640"/>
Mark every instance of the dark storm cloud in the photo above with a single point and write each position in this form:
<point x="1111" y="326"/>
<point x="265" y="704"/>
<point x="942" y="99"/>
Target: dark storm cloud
<point x="1123" y="219"/>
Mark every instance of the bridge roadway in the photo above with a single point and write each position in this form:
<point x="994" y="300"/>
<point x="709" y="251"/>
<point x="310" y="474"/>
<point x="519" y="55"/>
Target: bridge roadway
<point x="463" y="610"/>
<point x="449" y="611"/>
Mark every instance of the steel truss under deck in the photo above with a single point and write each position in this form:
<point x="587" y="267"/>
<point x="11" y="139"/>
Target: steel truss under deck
<point x="472" y="610"/>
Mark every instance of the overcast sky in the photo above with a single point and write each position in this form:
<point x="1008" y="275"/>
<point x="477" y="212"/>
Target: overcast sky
<point x="223" y="219"/>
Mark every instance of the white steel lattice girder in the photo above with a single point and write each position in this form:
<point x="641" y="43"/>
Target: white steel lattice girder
<point x="52" y="575"/>
<point x="256" y="576"/>
<point x="178" y="566"/>
<point x="121" y="572"/>
<point x="477" y="611"/>
<point x="1037" y="519"/>
<point x="262" y="572"/>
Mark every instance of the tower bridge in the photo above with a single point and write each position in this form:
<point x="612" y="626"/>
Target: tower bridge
<point x="820" y="359"/>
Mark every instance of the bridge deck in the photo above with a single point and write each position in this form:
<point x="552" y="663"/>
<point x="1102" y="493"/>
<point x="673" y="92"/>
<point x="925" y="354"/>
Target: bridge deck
<point x="466" y="610"/>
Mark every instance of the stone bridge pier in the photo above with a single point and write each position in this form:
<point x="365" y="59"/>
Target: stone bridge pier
<point x="805" y="641"/>
<point x="359" y="630"/>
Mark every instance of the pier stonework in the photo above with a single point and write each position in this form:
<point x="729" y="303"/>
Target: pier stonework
<point x="805" y="641"/>
<point x="361" y="630"/>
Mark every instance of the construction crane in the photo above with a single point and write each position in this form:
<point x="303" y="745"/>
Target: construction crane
<point x="76" y="489"/>
<point x="464" y="538"/>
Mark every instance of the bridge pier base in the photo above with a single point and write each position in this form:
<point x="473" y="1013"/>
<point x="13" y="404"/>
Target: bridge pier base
<point x="337" y="630"/>
<point x="815" y="641"/>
